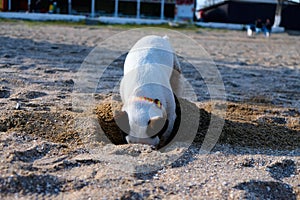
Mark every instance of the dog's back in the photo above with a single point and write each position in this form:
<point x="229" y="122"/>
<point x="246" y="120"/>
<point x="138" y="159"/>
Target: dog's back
<point x="150" y="61"/>
<point x="150" y="49"/>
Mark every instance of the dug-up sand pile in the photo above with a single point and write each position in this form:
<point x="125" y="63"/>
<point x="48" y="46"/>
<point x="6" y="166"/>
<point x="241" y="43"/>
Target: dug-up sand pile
<point x="258" y="134"/>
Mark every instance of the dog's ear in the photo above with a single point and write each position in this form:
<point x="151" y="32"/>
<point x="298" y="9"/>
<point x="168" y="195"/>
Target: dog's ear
<point x="121" y="119"/>
<point x="157" y="126"/>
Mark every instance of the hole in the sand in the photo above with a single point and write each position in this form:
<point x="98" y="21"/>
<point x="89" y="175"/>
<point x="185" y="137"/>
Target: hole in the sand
<point x="107" y="122"/>
<point x="283" y="169"/>
<point x="34" y="153"/>
<point x="34" y="94"/>
<point x="4" y="93"/>
<point x="235" y="131"/>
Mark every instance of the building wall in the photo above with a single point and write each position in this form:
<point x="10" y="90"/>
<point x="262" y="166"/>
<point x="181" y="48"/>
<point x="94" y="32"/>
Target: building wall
<point x="19" y="5"/>
<point x="148" y="8"/>
<point x="217" y="14"/>
<point x="42" y="6"/>
<point x="238" y="12"/>
<point x="248" y="12"/>
<point x="290" y="17"/>
<point x="105" y="7"/>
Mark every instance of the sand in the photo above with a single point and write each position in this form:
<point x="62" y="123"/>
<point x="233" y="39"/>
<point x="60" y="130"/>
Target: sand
<point x="48" y="152"/>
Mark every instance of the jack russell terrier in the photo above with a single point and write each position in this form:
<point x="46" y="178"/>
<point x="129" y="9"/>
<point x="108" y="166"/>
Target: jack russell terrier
<point x="151" y="78"/>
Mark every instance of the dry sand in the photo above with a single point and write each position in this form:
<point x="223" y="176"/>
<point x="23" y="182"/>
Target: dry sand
<point x="45" y="156"/>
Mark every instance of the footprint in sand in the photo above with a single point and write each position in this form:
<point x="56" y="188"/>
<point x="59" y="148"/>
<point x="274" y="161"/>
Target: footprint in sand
<point x="283" y="169"/>
<point x="4" y="93"/>
<point x="34" y="94"/>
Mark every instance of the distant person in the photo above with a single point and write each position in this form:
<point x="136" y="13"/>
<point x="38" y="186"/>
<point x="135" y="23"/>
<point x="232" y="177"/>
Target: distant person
<point x="52" y="7"/>
<point x="267" y="28"/>
<point x="36" y="7"/>
<point x="258" y="26"/>
<point x="250" y="29"/>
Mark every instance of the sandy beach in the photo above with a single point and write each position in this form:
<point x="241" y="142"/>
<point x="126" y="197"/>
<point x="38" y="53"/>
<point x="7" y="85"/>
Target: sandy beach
<point x="48" y="152"/>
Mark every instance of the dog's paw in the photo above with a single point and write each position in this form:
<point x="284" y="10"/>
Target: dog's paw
<point x="121" y="119"/>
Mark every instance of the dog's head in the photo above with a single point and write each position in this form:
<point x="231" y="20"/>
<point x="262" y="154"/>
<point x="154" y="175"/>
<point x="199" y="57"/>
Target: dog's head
<point x="143" y="122"/>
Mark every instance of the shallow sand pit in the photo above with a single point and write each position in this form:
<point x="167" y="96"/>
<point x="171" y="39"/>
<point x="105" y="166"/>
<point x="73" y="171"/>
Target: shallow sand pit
<point x="259" y="131"/>
<point x="253" y="133"/>
<point x="184" y="130"/>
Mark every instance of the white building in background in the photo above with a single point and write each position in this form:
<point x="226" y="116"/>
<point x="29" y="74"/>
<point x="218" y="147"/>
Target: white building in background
<point x="153" y="9"/>
<point x="181" y="10"/>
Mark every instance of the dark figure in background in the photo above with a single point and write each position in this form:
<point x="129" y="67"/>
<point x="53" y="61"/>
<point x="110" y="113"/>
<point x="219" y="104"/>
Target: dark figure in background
<point x="250" y="29"/>
<point x="36" y="6"/>
<point x="39" y="6"/>
<point x="267" y="28"/>
<point x="53" y="7"/>
<point x="258" y="26"/>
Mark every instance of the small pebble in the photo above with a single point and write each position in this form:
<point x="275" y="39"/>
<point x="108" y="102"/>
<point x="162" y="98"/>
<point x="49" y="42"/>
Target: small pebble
<point x="18" y="106"/>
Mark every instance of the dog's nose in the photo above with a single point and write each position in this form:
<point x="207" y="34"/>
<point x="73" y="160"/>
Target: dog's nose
<point x="135" y="140"/>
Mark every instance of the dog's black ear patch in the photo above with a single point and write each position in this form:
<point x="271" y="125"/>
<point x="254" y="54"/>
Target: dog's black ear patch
<point x="121" y="119"/>
<point x="157" y="102"/>
<point x="157" y="126"/>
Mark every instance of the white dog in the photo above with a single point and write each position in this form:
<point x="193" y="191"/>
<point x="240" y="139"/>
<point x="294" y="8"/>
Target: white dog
<point x="147" y="91"/>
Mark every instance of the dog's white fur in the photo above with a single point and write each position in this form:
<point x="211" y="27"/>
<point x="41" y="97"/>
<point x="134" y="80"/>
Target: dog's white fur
<point x="148" y="72"/>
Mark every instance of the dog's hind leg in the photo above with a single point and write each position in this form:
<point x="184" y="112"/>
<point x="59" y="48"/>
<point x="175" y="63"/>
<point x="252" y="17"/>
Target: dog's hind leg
<point x="176" y="63"/>
<point x="176" y="78"/>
